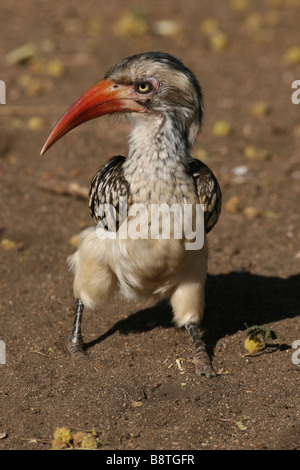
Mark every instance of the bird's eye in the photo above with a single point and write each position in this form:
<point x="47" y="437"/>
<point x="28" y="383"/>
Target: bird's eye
<point x="144" y="87"/>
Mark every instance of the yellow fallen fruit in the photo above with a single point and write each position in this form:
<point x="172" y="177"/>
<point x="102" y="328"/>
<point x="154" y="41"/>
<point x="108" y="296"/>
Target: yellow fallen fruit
<point x="292" y="55"/>
<point x="222" y="129"/>
<point x="24" y="79"/>
<point x="131" y="24"/>
<point x="252" y="212"/>
<point x="260" y="109"/>
<point x="239" y="5"/>
<point x="55" y="68"/>
<point x="36" y="123"/>
<point x="78" y="437"/>
<point x="209" y="26"/>
<point x="62" y="435"/>
<point x="253" y="153"/>
<point x="254" y="21"/>
<point x="8" y="244"/>
<point x="218" y="41"/>
<point x="252" y="345"/>
<point x="89" y="442"/>
<point x="95" y="26"/>
<point x="74" y="241"/>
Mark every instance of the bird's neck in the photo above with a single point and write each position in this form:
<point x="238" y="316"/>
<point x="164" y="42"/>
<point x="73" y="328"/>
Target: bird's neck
<point x="156" y="143"/>
<point x="157" y="161"/>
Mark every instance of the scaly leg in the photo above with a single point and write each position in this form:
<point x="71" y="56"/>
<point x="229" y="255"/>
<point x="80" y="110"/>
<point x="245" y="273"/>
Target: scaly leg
<point x="76" y="342"/>
<point x="200" y="359"/>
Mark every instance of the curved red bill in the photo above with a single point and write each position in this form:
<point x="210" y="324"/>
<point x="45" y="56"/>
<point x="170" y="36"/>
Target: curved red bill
<point x="104" y="98"/>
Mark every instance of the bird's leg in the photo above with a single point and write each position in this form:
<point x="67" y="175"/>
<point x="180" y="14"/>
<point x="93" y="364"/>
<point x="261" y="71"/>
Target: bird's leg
<point x="201" y="358"/>
<point x="76" y="342"/>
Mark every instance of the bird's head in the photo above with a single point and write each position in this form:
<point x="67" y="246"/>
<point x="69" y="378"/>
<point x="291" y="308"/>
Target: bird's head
<point x="150" y="84"/>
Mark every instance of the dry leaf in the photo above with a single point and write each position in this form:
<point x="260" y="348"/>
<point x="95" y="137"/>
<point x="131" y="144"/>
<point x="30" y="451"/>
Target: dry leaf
<point x="240" y="170"/>
<point x="271" y="215"/>
<point x="167" y="28"/>
<point x="137" y="404"/>
<point x="22" y="54"/>
<point x="233" y="204"/>
<point x="251" y="212"/>
<point x="241" y="426"/>
<point x="64" y="188"/>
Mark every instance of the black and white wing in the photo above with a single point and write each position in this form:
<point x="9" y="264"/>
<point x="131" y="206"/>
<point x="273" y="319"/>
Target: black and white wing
<point x="109" y="195"/>
<point x="209" y="192"/>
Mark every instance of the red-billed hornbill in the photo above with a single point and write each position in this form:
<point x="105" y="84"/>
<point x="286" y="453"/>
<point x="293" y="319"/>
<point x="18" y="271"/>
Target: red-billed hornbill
<point x="164" y="100"/>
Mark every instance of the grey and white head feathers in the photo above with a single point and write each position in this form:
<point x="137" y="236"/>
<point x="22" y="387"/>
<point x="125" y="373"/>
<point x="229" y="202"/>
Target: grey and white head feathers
<point x="179" y="95"/>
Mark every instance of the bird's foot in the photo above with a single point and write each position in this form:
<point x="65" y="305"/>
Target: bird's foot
<point x="202" y="364"/>
<point x="76" y="344"/>
<point x="76" y="347"/>
<point x="201" y="358"/>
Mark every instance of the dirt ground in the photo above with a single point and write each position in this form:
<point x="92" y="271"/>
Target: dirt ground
<point x="137" y="389"/>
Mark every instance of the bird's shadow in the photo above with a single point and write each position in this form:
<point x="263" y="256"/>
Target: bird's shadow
<point x="232" y="300"/>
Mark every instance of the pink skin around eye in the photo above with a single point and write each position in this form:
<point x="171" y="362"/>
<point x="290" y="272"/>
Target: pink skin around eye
<point x="154" y="82"/>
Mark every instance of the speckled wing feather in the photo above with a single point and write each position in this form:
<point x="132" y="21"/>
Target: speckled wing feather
<point x="209" y="192"/>
<point x="107" y="186"/>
